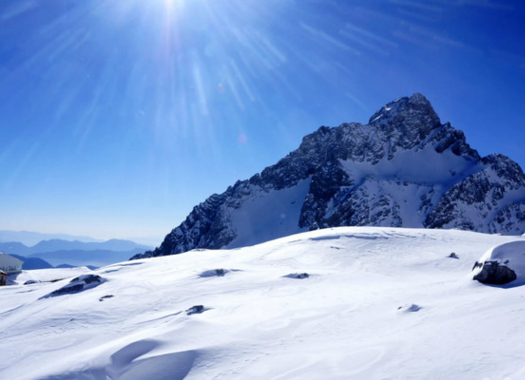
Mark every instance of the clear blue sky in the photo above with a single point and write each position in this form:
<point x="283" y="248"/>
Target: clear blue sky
<point x="117" y="117"/>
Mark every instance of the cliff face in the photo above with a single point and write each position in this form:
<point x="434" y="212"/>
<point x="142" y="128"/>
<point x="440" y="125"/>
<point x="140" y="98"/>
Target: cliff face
<point x="403" y="169"/>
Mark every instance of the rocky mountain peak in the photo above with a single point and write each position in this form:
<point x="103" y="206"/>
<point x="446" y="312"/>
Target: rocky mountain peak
<point x="413" y="116"/>
<point x="403" y="169"/>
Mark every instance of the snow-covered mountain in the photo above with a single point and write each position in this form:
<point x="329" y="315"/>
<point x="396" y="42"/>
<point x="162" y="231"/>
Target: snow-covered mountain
<point x="348" y="303"/>
<point x="403" y="169"/>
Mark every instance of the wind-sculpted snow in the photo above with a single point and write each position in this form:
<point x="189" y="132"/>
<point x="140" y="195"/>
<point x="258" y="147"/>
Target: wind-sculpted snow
<point x="403" y="169"/>
<point x="341" y="303"/>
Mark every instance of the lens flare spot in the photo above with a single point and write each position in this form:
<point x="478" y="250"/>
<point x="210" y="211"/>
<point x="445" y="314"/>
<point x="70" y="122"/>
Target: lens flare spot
<point x="242" y="138"/>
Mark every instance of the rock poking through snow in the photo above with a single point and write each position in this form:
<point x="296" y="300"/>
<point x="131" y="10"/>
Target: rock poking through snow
<point x="299" y="276"/>
<point x="501" y="265"/>
<point x="78" y="284"/>
<point x="409" y="308"/>
<point x="197" y="309"/>
<point x="493" y="273"/>
<point x="214" y="273"/>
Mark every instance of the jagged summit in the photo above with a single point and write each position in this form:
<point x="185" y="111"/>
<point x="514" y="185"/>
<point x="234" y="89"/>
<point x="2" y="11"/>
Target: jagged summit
<point x="403" y="169"/>
<point x="415" y="113"/>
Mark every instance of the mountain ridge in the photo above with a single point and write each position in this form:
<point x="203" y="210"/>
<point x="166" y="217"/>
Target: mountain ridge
<point x="30" y="238"/>
<point x="51" y="245"/>
<point x="76" y="253"/>
<point x="403" y="169"/>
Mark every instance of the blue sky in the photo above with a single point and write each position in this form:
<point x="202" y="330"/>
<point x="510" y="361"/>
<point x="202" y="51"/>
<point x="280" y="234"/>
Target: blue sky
<point x="117" y="117"/>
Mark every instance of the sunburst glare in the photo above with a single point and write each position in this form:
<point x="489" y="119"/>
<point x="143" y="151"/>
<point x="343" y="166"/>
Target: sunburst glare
<point x="107" y="91"/>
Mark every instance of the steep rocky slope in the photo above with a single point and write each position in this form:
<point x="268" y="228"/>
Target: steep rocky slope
<point x="403" y="169"/>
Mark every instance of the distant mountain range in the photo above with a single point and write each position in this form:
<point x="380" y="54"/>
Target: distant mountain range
<point x="34" y="263"/>
<point x="31" y="263"/>
<point x="403" y="169"/>
<point x="57" y="252"/>
<point x="30" y="238"/>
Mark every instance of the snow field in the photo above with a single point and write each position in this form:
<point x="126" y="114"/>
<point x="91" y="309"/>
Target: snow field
<point x="379" y="303"/>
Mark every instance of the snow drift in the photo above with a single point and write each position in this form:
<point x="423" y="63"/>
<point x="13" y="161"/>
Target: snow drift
<point x="377" y="303"/>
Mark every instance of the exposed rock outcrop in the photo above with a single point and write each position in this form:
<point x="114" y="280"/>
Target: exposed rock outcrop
<point x="502" y="265"/>
<point x="493" y="273"/>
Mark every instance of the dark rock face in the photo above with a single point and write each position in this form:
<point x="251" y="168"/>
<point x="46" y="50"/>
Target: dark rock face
<point x="403" y="169"/>
<point x="203" y="228"/>
<point x="483" y="191"/>
<point x="494" y="273"/>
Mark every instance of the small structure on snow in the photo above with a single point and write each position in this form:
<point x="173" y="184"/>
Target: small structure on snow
<point x="10" y="264"/>
<point x="3" y="278"/>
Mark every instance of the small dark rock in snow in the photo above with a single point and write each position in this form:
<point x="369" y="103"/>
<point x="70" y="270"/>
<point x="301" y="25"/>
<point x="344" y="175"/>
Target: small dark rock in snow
<point x="299" y="276"/>
<point x="214" y="273"/>
<point x="453" y="256"/>
<point x="197" y="309"/>
<point x="494" y="273"/>
<point x="410" y="308"/>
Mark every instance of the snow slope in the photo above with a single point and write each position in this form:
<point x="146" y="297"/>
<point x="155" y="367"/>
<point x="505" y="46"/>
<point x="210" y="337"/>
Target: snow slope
<point x="378" y="303"/>
<point x="277" y="214"/>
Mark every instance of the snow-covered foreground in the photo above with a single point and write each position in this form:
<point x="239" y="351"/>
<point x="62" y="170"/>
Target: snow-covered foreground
<point x="379" y="303"/>
<point x="43" y="275"/>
